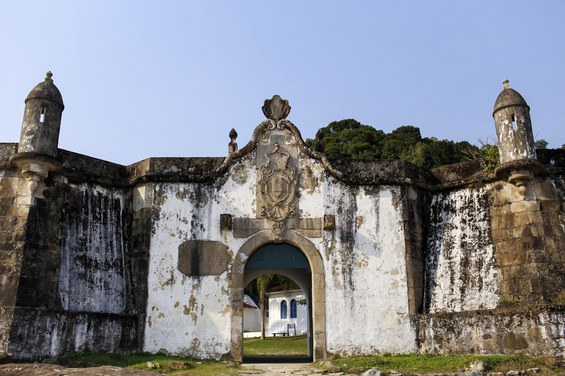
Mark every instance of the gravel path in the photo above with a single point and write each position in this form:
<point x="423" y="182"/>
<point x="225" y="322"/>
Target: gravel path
<point x="264" y="369"/>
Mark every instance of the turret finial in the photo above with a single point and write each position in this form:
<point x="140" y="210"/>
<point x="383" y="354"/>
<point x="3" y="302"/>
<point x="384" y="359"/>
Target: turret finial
<point x="232" y="146"/>
<point x="506" y="84"/>
<point x="48" y="76"/>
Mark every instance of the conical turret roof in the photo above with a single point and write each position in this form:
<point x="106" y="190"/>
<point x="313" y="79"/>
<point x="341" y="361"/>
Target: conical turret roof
<point x="509" y="97"/>
<point x="46" y="90"/>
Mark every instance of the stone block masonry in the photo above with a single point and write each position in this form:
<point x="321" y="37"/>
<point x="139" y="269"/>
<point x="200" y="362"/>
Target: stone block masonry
<point x="528" y="233"/>
<point x="536" y="331"/>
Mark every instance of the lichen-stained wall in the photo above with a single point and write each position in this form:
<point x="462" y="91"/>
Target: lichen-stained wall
<point x="189" y="314"/>
<point x="74" y="288"/>
<point x="532" y="330"/>
<point x="461" y="273"/>
<point x="365" y="270"/>
<point x="559" y="183"/>
<point x="186" y="315"/>
<point x="94" y="274"/>
<point x="364" y="260"/>
<point x="11" y="230"/>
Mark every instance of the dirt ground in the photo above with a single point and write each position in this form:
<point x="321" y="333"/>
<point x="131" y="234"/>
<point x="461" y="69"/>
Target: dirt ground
<point x="41" y="369"/>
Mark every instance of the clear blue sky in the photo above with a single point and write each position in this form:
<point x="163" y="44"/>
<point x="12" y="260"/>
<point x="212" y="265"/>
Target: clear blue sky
<point x="171" y="78"/>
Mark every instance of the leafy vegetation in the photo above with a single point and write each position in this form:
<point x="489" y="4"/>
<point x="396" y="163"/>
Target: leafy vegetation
<point x="488" y="152"/>
<point x="509" y="302"/>
<point x="350" y="139"/>
<point x="541" y="144"/>
<point x="416" y="363"/>
<point x="296" y="345"/>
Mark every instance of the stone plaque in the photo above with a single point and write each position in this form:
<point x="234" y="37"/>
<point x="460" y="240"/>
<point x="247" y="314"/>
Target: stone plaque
<point x="202" y="257"/>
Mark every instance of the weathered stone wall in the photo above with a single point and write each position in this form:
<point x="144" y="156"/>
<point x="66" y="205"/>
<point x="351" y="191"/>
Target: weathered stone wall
<point x="528" y="233"/>
<point x="68" y="265"/>
<point x="11" y="245"/>
<point x="94" y="275"/>
<point x="109" y="258"/>
<point x="365" y="266"/>
<point x="366" y="262"/>
<point x="415" y="209"/>
<point x="39" y="333"/>
<point x="536" y="331"/>
<point x="460" y="262"/>
<point x="364" y="259"/>
<point x="96" y="256"/>
<point x="495" y="272"/>
<point x="186" y="314"/>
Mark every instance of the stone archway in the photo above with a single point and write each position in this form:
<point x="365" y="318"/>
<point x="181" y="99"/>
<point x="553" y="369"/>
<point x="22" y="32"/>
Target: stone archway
<point x="318" y="289"/>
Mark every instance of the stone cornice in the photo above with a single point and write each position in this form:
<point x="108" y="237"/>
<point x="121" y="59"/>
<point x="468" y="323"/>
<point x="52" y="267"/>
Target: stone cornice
<point x="81" y="168"/>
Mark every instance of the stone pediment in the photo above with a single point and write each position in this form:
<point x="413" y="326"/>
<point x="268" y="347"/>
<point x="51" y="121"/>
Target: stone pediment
<point x="284" y="133"/>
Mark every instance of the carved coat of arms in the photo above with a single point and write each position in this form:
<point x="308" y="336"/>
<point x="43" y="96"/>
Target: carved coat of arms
<point x="278" y="188"/>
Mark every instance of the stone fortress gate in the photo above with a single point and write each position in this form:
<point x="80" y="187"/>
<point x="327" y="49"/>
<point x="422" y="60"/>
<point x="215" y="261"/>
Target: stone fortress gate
<point x="96" y="256"/>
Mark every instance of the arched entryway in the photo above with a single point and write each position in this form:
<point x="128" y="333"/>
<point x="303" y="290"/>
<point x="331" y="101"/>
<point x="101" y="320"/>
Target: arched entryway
<point x="316" y="286"/>
<point x="281" y="260"/>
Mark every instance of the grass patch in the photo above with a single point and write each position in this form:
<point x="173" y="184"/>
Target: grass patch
<point x="407" y="364"/>
<point x="416" y="363"/>
<point x="297" y="345"/>
<point x="168" y="365"/>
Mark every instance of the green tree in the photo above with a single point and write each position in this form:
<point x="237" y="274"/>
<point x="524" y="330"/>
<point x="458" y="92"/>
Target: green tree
<point x="259" y="287"/>
<point x="399" y="141"/>
<point x="541" y="144"/>
<point x="419" y="154"/>
<point x="348" y="139"/>
<point x="431" y="152"/>
<point x="491" y="157"/>
<point x="488" y="152"/>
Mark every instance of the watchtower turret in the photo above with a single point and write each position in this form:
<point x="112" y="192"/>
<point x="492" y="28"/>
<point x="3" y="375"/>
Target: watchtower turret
<point x="42" y="119"/>
<point x="515" y="138"/>
<point x="39" y="138"/>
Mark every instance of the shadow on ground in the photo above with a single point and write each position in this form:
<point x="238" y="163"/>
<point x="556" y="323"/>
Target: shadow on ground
<point x="253" y="359"/>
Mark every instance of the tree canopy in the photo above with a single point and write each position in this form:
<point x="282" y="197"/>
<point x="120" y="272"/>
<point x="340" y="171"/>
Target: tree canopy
<point x="349" y="139"/>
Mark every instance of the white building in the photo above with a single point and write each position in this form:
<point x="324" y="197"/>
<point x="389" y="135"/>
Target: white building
<point x="287" y="308"/>
<point x="251" y="315"/>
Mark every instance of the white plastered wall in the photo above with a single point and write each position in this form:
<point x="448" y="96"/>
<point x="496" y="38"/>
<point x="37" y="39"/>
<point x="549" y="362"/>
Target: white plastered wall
<point x="364" y="262"/>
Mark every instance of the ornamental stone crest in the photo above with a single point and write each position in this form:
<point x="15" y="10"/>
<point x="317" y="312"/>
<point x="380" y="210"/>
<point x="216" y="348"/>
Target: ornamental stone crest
<point x="276" y="108"/>
<point x="277" y="182"/>
<point x="279" y="150"/>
